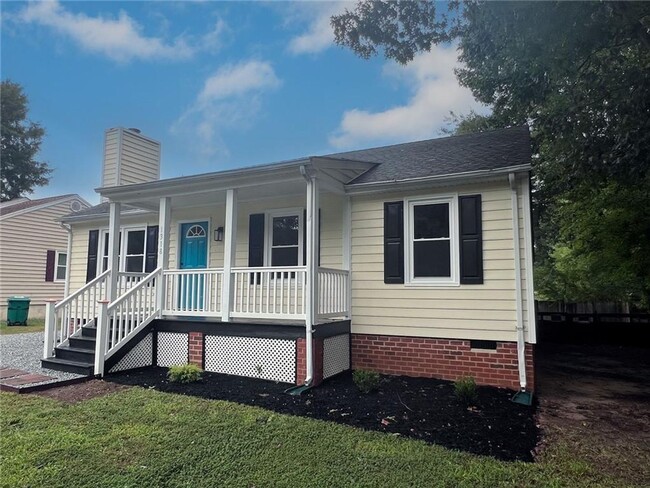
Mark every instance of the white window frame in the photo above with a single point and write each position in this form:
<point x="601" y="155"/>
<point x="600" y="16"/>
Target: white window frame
<point x="57" y="266"/>
<point x="268" y="232"/>
<point x="122" y="256"/>
<point x="454" y="257"/>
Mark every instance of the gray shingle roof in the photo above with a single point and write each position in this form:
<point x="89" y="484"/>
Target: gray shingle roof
<point x="489" y="150"/>
<point x="25" y="203"/>
<point x="97" y="211"/>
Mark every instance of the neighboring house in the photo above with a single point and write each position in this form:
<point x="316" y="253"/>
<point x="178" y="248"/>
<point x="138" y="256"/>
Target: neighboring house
<point x="34" y="249"/>
<point x="411" y="259"/>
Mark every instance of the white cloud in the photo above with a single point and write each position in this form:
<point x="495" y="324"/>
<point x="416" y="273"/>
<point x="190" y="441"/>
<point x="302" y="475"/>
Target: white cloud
<point x="119" y="38"/>
<point x="435" y="92"/>
<point x="319" y="35"/>
<point x="230" y="98"/>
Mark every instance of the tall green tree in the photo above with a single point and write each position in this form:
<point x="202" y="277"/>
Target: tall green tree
<point x="21" y="138"/>
<point x="579" y="74"/>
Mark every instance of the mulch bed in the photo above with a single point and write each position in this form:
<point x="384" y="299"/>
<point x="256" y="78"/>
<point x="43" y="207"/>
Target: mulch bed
<point x="418" y="408"/>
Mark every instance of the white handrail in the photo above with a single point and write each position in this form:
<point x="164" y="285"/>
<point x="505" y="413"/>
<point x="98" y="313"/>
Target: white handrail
<point x="125" y="317"/>
<point x="193" y="292"/>
<point x="81" y="290"/>
<point x="333" y="301"/>
<point x="73" y="312"/>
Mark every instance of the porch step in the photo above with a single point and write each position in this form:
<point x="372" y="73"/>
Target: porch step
<point x="81" y="342"/>
<point x="89" y="331"/>
<point x="72" y="353"/>
<point x="68" y="366"/>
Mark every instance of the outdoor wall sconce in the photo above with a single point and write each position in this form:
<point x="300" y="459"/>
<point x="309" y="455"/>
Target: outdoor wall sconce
<point x="218" y="234"/>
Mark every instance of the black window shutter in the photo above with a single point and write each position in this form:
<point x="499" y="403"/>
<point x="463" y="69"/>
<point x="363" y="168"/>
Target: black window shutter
<point x="256" y="240"/>
<point x="151" y="258"/>
<point x="393" y="242"/>
<point x="49" y="266"/>
<point x="304" y="236"/>
<point x="91" y="261"/>
<point x="471" y="240"/>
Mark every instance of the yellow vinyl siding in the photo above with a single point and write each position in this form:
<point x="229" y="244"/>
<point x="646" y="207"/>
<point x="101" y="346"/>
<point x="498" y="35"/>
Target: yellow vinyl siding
<point x="486" y="311"/>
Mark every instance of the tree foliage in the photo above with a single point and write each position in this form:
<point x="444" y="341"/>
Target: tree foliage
<point x="579" y="74"/>
<point x="21" y="141"/>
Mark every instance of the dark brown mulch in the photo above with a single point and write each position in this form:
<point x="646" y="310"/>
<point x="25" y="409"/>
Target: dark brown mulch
<point x="418" y="408"/>
<point x="82" y="391"/>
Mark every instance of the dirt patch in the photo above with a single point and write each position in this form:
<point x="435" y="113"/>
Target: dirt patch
<point x="81" y="391"/>
<point x="597" y="398"/>
<point x="418" y="408"/>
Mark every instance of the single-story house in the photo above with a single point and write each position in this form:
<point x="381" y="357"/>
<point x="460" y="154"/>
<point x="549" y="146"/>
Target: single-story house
<point x="411" y="259"/>
<point x="34" y="249"/>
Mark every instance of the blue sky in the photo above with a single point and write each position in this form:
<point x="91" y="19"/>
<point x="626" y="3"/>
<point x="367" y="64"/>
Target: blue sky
<point x="220" y="84"/>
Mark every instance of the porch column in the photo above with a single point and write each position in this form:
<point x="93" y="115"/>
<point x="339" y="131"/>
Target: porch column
<point x="113" y="249"/>
<point x="164" y="227"/>
<point x="347" y="250"/>
<point x="229" y="249"/>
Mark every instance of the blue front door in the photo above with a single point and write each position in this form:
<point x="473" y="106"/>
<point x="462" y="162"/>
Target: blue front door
<point x="194" y="255"/>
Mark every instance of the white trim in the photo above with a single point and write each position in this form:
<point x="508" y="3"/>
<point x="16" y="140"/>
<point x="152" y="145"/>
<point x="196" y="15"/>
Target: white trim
<point x="528" y="259"/>
<point x="410" y="203"/>
<point x="180" y="223"/>
<point x="45" y="205"/>
<point x="429" y="181"/>
<point x="124" y="229"/>
<point x="269" y="215"/>
<point x="56" y="265"/>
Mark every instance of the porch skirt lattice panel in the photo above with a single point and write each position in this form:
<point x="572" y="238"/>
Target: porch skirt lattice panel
<point x="140" y="356"/>
<point x="173" y="349"/>
<point x="336" y="354"/>
<point x="256" y="357"/>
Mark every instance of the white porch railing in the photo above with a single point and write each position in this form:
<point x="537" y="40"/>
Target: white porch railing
<point x="333" y="301"/>
<point x="193" y="292"/>
<point x="76" y="310"/>
<point x="269" y="293"/>
<point x="123" y="318"/>
<point x="126" y="280"/>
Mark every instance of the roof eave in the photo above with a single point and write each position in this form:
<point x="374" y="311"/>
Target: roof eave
<point x="424" y="181"/>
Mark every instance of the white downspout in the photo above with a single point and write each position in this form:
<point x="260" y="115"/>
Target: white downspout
<point x="521" y="344"/>
<point x="66" y="289"/>
<point x="309" y="315"/>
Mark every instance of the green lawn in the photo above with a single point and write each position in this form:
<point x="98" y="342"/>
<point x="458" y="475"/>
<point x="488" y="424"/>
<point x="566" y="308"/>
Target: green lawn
<point x="144" y="438"/>
<point x="33" y="325"/>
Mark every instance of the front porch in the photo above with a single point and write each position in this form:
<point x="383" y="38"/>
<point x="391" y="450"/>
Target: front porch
<point x="230" y="253"/>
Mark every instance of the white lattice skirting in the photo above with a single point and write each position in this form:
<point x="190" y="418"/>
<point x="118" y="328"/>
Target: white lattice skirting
<point x="173" y="349"/>
<point x="336" y="355"/>
<point x="138" y="357"/>
<point x="270" y="359"/>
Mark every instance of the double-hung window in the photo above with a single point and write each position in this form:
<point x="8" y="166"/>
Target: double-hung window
<point x="432" y="247"/>
<point x="285" y="238"/>
<point x="134" y="242"/>
<point x="61" y="266"/>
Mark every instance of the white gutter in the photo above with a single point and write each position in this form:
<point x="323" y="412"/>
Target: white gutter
<point x="309" y="331"/>
<point x="427" y="181"/>
<point x="66" y="288"/>
<point x="521" y="343"/>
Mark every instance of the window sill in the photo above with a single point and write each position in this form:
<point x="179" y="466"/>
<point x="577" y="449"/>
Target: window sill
<point x="432" y="284"/>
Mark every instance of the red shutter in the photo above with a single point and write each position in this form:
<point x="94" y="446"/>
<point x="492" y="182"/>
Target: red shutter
<point x="49" y="265"/>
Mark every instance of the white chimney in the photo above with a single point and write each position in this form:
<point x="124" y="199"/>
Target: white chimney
<point x="129" y="157"/>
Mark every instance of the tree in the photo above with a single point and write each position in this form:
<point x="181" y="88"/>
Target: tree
<point x="579" y="74"/>
<point x="21" y="141"/>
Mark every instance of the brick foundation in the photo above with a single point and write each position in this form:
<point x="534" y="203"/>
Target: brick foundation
<point x="301" y="361"/>
<point x="196" y="349"/>
<point x="446" y="359"/>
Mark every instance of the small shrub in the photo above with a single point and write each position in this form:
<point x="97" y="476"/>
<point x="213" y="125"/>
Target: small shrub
<point x="465" y="389"/>
<point x="366" y="381"/>
<point x="186" y="373"/>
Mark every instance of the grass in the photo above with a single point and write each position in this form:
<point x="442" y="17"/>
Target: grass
<point x="140" y="437"/>
<point x="33" y="325"/>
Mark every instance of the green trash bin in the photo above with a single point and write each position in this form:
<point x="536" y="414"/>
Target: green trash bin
<point x="17" y="310"/>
